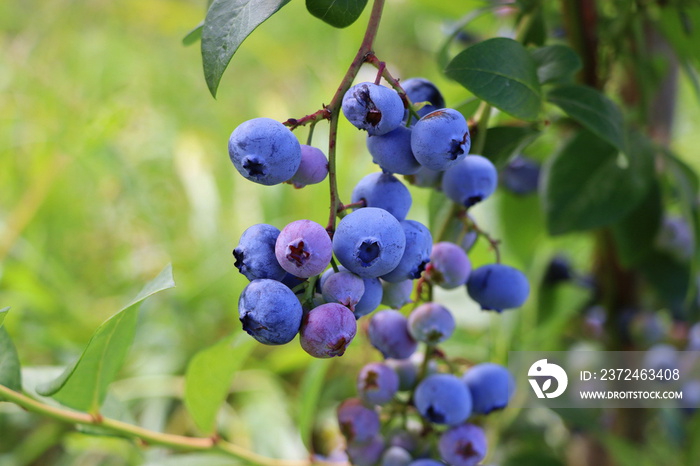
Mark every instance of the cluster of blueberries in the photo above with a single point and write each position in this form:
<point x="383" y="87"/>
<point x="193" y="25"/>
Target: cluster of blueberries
<point x="441" y="399"/>
<point x="296" y="286"/>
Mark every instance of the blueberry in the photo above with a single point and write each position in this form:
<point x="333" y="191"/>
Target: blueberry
<point x="269" y="312"/>
<point x="426" y="178"/>
<point x="694" y="338"/>
<point x="431" y="323"/>
<point x="377" y="383"/>
<point x="367" y="453"/>
<point x="290" y="280"/>
<point x="264" y="151"/>
<point x="385" y="191"/>
<point x="661" y="356"/>
<point x="312" y="169"/>
<point x="419" y="244"/>
<point x="470" y="181"/>
<point x="426" y="462"/>
<point x="371" y="298"/>
<point x="463" y="445"/>
<point x="521" y="176"/>
<point x="395" y="456"/>
<point x="369" y="242"/>
<point x="443" y="399"/>
<point x="406" y="369"/>
<point x="691" y="396"/>
<point x="421" y="90"/>
<point x="497" y="287"/>
<point x="327" y="330"/>
<point x="392" y="151"/>
<point x="449" y="266"/>
<point x="255" y="253"/>
<point x="558" y="270"/>
<point x="374" y="108"/>
<point x="357" y="422"/>
<point x="397" y="295"/>
<point x="345" y="288"/>
<point x="676" y="238"/>
<point x="490" y="385"/>
<point x="304" y="248"/>
<point x="388" y="332"/>
<point x="440" y="139"/>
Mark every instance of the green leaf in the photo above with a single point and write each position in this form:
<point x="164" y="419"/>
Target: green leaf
<point x="556" y="63"/>
<point x="83" y="386"/>
<point x="503" y="142"/>
<point x="593" y="110"/>
<point x="10" y="375"/>
<point x="227" y="24"/>
<point x="636" y="233"/>
<point x="310" y="390"/>
<point x="501" y="72"/>
<point x="3" y="313"/>
<point x="588" y="185"/>
<point x="337" y="13"/>
<point x="194" y="35"/>
<point x="208" y="378"/>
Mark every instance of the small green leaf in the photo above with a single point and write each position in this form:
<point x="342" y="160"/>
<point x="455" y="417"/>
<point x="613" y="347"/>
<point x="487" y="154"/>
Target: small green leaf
<point x="593" y="110"/>
<point x="208" y="378"/>
<point x="194" y="35"/>
<point x="3" y="313"/>
<point x="226" y="26"/>
<point x="503" y="142"/>
<point x="10" y="375"/>
<point x="337" y="13"/>
<point x="556" y="63"/>
<point x="587" y="185"/>
<point x="310" y="390"/>
<point x="636" y="233"/>
<point x="501" y="72"/>
<point x="83" y="385"/>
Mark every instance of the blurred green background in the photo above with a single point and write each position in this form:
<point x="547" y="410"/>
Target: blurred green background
<point x="113" y="163"/>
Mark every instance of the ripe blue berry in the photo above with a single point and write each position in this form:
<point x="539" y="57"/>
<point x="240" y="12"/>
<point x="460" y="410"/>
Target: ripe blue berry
<point x="312" y="169"/>
<point x="371" y="298"/>
<point x="406" y="369"/>
<point x="463" y="445"/>
<point x="327" y="330"/>
<point x="421" y="90"/>
<point x="449" y="266"/>
<point x="388" y="332"/>
<point x="497" y="287"/>
<point x="440" y="139"/>
<point x="397" y="295"/>
<point x="344" y="288"/>
<point x="392" y="151"/>
<point x="490" y="385"/>
<point x="419" y="244"/>
<point x="426" y="462"/>
<point x="377" y="383"/>
<point x="521" y="176"/>
<point x="385" y="191"/>
<point x="255" y="253"/>
<point x="369" y="242"/>
<point x="426" y="178"/>
<point x="470" y="181"/>
<point x="303" y="248"/>
<point x="357" y="422"/>
<point x="374" y="108"/>
<point x="366" y="453"/>
<point x="443" y="399"/>
<point x="431" y="323"/>
<point x="269" y="312"/>
<point x="264" y="151"/>
<point x="395" y="456"/>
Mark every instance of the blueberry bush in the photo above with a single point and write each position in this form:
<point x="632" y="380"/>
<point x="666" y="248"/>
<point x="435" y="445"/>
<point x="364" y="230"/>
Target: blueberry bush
<point x="416" y="189"/>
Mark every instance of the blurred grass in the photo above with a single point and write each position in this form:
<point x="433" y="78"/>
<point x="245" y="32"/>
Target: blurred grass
<point x="113" y="163"/>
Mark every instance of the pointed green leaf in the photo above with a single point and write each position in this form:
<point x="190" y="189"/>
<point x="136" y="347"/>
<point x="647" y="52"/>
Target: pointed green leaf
<point x="208" y="378"/>
<point x="310" y="390"/>
<point x="556" y="63"/>
<point x="501" y="72"/>
<point x="337" y="13"/>
<point x="226" y="26"/>
<point x="9" y="362"/>
<point x="194" y="35"/>
<point x="83" y="385"/>
<point x="636" y="233"/>
<point x="593" y="110"/>
<point x="503" y="142"/>
<point x="588" y="185"/>
<point x="3" y="313"/>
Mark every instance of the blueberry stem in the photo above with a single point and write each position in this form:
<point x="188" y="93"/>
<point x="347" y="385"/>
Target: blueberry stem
<point x="334" y="265"/>
<point x="471" y="225"/>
